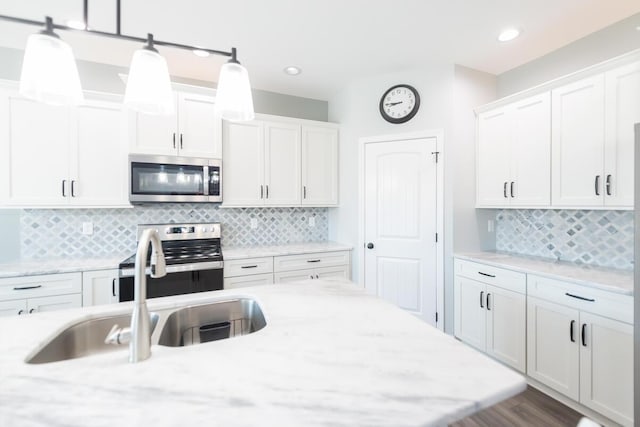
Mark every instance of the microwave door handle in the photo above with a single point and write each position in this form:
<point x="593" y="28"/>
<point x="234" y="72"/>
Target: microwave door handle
<point x="206" y="180"/>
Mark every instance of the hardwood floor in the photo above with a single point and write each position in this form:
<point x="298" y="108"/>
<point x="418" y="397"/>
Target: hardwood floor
<point x="530" y="408"/>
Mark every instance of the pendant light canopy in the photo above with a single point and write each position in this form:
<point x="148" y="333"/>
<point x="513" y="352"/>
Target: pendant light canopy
<point x="148" y="85"/>
<point x="233" y="98"/>
<point x="49" y="73"/>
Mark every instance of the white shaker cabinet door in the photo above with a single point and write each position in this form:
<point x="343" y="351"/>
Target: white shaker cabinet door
<point x="470" y="312"/>
<point x="577" y="139"/>
<point x="530" y="183"/>
<point x="16" y="307"/>
<point x="622" y="111"/>
<point x="52" y="303"/>
<point x="606" y="367"/>
<point x="293" y="276"/>
<point x="282" y="164"/>
<point x="100" y="287"/>
<point x="153" y="133"/>
<point x="506" y="326"/>
<point x="35" y="152"/>
<point x="198" y="127"/>
<point x="553" y="352"/>
<point x="494" y="142"/>
<point x="243" y="163"/>
<point x="99" y="172"/>
<point x="319" y="166"/>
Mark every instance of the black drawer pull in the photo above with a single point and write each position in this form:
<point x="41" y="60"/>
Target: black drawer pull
<point x="113" y="287"/>
<point x="584" y="334"/>
<point x="313" y="260"/>
<point x="24" y="288"/>
<point x="579" y="297"/>
<point x="249" y="266"/>
<point x="573" y="322"/>
<point x="486" y="274"/>
<point x="481" y="299"/>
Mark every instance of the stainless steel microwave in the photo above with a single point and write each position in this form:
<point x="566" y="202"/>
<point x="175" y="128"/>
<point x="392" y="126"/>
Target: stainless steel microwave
<point x="174" y="179"/>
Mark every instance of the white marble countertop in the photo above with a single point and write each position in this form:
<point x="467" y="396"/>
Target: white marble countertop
<point x="329" y="355"/>
<point x="236" y="252"/>
<point x="608" y="279"/>
<point x="53" y="266"/>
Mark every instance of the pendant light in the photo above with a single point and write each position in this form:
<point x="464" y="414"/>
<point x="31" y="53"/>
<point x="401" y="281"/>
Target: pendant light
<point x="148" y="85"/>
<point x="49" y="72"/>
<point x="233" y="98"/>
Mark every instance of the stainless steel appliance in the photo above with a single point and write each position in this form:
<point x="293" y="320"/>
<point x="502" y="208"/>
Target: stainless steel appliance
<point x="193" y="258"/>
<point x="174" y="179"/>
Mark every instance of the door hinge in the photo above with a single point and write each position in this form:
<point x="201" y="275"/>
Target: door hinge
<point x="437" y="154"/>
<point x="436" y="317"/>
<point x="436" y="237"/>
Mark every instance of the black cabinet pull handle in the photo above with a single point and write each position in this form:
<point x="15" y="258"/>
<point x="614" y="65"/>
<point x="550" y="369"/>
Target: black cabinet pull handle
<point x="512" y="193"/>
<point x="486" y="274"/>
<point x="24" y="288"/>
<point x="262" y="192"/>
<point x="488" y="307"/>
<point x="597" y="184"/>
<point x="32" y="310"/>
<point x="20" y="312"/>
<point x="579" y="297"/>
<point x="317" y="277"/>
<point x="249" y="266"/>
<point x="573" y="322"/>
<point x="64" y="184"/>
<point x="481" y="299"/>
<point x="181" y="141"/>
<point x="73" y="188"/>
<point x="584" y="334"/>
<point x="313" y="260"/>
<point x="113" y="287"/>
<point x="267" y="191"/>
<point x="504" y="189"/>
<point x="608" y="185"/>
<point x="304" y="192"/>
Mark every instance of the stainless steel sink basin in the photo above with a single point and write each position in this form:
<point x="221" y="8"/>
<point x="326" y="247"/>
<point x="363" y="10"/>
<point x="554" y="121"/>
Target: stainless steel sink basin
<point x="83" y="339"/>
<point x="209" y="322"/>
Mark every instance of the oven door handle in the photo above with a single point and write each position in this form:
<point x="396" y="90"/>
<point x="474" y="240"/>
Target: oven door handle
<point x="178" y="268"/>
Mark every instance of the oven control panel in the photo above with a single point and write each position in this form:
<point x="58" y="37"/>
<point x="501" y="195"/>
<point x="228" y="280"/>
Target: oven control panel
<point x="183" y="231"/>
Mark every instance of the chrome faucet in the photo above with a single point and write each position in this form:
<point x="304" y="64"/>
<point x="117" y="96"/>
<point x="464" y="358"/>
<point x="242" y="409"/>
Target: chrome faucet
<point x="139" y="333"/>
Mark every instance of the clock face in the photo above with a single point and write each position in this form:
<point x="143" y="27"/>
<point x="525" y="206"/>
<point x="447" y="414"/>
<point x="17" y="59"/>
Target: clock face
<point x="399" y="104"/>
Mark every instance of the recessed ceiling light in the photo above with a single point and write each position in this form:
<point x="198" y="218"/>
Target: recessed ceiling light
<point x="292" y="70"/>
<point x="638" y="28"/>
<point x="76" y="25"/>
<point x="201" y="53"/>
<point x="508" y="34"/>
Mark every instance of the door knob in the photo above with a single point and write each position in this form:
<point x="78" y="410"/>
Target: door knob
<point x="369" y="245"/>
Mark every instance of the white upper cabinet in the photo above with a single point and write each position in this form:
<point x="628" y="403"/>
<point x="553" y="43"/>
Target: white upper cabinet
<point x="192" y="131"/>
<point x="514" y="157"/>
<point x="319" y="166"/>
<point x="270" y="162"/>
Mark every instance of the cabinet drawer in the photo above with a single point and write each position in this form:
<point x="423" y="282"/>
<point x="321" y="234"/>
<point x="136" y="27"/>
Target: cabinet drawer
<point x="306" y="261"/>
<point x="245" y="281"/>
<point x="40" y="286"/>
<point x="294" y="276"/>
<point x="596" y="301"/>
<point x="244" y="267"/>
<point x="495" y="276"/>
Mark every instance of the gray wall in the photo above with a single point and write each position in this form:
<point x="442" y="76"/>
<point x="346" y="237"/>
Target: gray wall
<point x="104" y="78"/>
<point x="611" y="41"/>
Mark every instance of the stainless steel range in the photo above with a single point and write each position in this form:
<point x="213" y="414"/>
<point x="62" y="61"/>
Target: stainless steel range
<point x="194" y="261"/>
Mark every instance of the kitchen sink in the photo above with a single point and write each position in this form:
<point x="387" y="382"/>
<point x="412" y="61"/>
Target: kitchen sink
<point x="210" y="322"/>
<point x="83" y="339"/>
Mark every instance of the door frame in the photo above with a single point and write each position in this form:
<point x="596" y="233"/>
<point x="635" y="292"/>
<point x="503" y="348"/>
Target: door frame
<point x="438" y="134"/>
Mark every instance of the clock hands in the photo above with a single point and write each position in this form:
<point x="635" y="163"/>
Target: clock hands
<point x="391" y="104"/>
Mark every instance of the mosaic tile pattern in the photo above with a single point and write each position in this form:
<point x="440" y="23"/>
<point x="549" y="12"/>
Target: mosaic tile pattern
<point x="601" y="238"/>
<point x="57" y="233"/>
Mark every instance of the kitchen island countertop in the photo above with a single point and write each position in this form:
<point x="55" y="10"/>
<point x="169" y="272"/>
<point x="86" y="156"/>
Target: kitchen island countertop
<point x="329" y="355"/>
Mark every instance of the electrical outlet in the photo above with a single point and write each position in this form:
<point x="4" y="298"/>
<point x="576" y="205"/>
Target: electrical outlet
<point x="254" y="223"/>
<point x="490" y="226"/>
<point x="87" y="228"/>
<point x="312" y="221"/>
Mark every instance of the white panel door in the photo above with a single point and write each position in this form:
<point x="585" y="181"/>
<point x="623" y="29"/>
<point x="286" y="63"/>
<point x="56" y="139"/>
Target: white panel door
<point x="342" y="272"/>
<point x="606" y="367"/>
<point x="282" y="164"/>
<point x="622" y="111"/>
<point x="470" y="312"/>
<point x="507" y="327"/>
<point x="494" y="142"/>
<point x="13" y="308"/>
<point x="37" y="150"/>
<point x="531" y="152"/>
<point x="553" y="352"/>
<point x="577" y="140"/>
<point x="319" y="166"/>
<point x="57" y="302"/>
<point x="99" y="161"/>
<point x="401" y="224"/>
<point x="100" y="287"/>
<point x="153" y="134"/>
<point x="243" y="162"/>
<point x="198" y="126"/>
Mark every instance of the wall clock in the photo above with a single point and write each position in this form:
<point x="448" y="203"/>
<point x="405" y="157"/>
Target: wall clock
<point x="399" y="104"/>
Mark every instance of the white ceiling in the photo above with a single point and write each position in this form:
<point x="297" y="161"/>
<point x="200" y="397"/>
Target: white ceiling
<point x="333" y="41"/>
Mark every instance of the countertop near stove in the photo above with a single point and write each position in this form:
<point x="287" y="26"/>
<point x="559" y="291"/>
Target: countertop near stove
<point x="54" y="266"/>
<point x="230" y="252"/>
<point x="316" y="363"/>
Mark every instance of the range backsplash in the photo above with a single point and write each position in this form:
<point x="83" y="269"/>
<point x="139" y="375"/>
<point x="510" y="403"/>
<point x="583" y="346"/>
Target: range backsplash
<point x="601" y="238"/>
<point x="57" y="233"/>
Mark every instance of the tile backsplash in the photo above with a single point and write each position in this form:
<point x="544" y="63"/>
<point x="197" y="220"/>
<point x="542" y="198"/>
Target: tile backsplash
<point x="57" y="233"/>
<point x="601" y="238"/>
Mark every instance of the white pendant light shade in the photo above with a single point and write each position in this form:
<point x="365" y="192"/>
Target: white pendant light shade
<point x="233" y="98"/>
<point x="148" y="85"/>
<point x="49" y="72"/>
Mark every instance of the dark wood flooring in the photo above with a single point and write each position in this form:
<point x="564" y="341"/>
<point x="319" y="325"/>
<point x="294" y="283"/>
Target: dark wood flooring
<point x="529" y="408"/>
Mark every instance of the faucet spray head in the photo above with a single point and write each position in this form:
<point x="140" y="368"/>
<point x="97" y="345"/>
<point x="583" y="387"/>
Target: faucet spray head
<point x="158" y="264"/>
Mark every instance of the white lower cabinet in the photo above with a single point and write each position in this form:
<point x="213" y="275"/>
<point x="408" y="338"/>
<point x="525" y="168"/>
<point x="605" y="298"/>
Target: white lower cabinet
<point x="100" y="287"/>
<point x="312" y="273"/>
<point x="32" y="294"/>
<point x="246" y="281"/>
<point x="52" y="303"/>
<point x="13" y="308"/>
